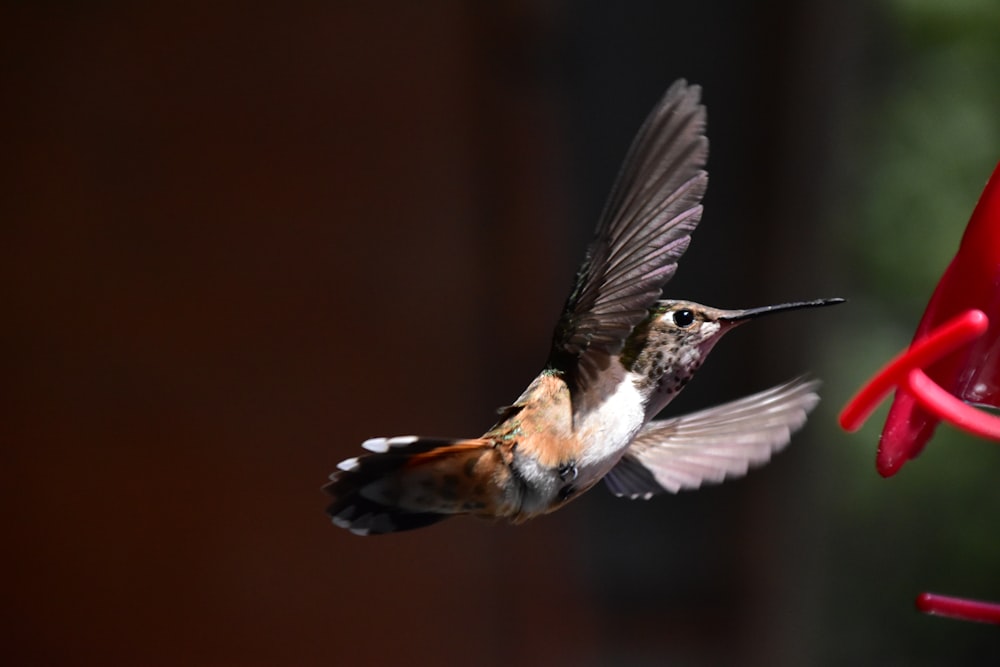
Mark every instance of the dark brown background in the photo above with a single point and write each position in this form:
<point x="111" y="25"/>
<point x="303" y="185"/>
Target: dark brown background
<point x="238" y="241"/>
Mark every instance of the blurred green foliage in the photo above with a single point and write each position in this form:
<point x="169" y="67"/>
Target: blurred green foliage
<point x="931" y="142"/>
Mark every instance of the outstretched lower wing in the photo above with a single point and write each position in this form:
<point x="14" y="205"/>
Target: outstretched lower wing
<point x="713" y="444"/>
<point x="644" y="229"/>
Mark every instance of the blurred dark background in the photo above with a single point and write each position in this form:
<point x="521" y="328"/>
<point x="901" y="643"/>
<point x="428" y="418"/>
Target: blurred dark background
<point x="238" y="240"/>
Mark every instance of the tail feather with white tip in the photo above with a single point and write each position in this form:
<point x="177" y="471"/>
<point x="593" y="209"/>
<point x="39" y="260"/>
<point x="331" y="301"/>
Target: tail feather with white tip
<point x="409" y="482"/>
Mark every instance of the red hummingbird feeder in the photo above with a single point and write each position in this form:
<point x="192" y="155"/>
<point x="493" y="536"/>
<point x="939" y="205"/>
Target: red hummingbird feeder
<point x="953" y="361"/>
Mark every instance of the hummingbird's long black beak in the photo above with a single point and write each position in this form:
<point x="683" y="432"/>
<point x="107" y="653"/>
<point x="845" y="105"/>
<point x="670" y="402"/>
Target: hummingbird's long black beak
<point x="736" y="316"/>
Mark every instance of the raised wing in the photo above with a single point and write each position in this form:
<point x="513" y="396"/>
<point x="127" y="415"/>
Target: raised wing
<point x="645" y="228"/>
<point x="711" y="445"/>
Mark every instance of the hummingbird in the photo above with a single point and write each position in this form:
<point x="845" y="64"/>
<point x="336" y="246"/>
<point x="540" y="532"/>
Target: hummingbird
<point x="619" y="355"/>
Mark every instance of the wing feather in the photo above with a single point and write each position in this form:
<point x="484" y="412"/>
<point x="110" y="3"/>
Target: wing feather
<point x="644" y="229"/>
<point x="711" y="445"/>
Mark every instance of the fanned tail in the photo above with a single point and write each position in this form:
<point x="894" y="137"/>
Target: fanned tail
<point x="409" y="482"/>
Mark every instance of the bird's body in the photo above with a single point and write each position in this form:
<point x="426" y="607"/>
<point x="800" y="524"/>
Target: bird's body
<point x="619" y="355"/>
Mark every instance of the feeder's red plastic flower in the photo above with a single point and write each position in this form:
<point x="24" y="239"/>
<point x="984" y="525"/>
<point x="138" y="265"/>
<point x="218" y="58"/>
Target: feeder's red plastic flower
<point x="972" y="373"/>
<point x="954" y="360"/>
<point x="906" y="373"/>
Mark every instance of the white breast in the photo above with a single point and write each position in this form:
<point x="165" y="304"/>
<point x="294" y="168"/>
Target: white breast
<point x="606" y="428"/>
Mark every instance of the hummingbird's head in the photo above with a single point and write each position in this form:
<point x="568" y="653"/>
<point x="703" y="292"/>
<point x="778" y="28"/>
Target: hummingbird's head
<point x="667" y="349"/>
<point x="688" y="325"/>
<point x="685" y="333"/>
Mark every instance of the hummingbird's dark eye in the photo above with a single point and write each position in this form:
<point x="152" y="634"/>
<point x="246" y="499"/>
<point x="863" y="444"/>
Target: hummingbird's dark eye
<point x="683" y="318"/>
